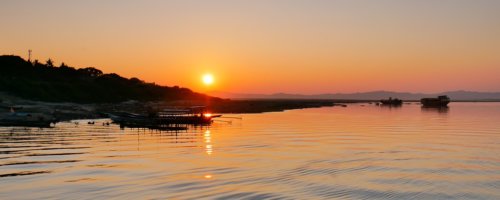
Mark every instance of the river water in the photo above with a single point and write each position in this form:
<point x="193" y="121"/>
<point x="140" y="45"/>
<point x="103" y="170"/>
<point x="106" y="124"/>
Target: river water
<point x="361" y="151"/>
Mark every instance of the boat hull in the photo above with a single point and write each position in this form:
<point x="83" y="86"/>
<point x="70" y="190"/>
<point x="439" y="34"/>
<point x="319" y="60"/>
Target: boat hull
<point x="132" y="120"/>
<point x="434" y="102"/>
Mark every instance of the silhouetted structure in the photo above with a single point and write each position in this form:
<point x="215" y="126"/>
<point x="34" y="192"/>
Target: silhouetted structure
<point x="29" y="55"/>
<point x="441" y="101"/>
<point x="164" y="119"/>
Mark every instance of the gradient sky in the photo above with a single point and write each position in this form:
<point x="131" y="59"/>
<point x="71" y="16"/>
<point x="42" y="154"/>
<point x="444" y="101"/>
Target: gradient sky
<point x="267" y="46"/>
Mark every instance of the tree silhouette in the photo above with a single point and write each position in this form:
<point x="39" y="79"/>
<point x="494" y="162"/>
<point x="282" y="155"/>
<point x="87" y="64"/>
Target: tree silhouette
<point x="90" y="71"/>
<point x="44" y="82"/>
<point x="63" y="65"/>
<point x="49" y="63"/>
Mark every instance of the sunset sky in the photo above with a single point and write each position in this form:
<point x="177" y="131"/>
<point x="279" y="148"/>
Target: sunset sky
<point x="268" y="46"/>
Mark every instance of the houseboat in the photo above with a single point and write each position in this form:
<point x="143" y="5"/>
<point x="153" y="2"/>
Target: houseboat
<point x="440" y="101"/>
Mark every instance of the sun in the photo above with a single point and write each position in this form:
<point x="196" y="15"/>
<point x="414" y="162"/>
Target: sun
<point x="208" y="79"/>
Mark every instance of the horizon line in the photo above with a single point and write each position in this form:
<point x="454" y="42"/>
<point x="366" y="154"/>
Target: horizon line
<point x="358" y="92"/>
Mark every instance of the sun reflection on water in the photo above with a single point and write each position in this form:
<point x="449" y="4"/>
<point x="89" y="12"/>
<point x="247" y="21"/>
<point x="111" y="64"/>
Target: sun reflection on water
<point x="208" y="142"/>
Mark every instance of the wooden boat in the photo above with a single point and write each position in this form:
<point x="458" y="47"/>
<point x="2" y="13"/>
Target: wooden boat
<point x="391" y="101"/>
<point x="193" y="115"/>
<point x="440" y="101"/>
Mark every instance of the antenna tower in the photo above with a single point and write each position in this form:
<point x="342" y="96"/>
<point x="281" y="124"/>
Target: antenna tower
<point x="29" y="55"/>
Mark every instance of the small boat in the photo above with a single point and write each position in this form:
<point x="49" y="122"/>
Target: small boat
<point x="26" y="119"/>
<point x="440" y="101"/>
<point x="193" y="115"/>
<point x="391" y="101"/>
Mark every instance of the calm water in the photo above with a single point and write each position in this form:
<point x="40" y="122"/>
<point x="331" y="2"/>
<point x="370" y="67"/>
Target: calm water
<point x="358" y="152"/>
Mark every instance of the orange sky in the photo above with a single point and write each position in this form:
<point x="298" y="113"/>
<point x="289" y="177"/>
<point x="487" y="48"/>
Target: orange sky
<point x="260" y="46"/>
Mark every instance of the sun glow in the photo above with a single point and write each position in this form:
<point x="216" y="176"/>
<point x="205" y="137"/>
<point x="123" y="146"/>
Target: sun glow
<point x="208" y="79"/>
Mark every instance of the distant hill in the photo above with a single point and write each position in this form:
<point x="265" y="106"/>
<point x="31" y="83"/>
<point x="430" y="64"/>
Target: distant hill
<point x="45" y="82"/>
<point x="375" y="95"/>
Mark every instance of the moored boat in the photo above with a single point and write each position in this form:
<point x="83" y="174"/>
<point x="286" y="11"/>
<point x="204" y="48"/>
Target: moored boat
<point x="193" y="115"/>
<point x="440" y="101"/>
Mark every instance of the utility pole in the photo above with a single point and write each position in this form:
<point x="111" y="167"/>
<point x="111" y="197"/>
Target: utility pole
<point x="29" y="55"/>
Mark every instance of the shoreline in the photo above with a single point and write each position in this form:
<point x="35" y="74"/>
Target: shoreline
<point x="66" y="111"/>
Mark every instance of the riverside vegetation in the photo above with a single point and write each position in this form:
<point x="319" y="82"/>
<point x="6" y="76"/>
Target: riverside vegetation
<point x="46" y="82"/>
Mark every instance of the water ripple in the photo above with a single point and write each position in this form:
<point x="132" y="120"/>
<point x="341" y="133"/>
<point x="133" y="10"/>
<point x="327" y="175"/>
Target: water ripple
<point x="357" y="152"/>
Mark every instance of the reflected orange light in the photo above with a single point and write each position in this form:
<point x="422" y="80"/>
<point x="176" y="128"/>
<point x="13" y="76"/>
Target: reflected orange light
<point x="208" y="140"/>
<point x="208" y="176"/>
